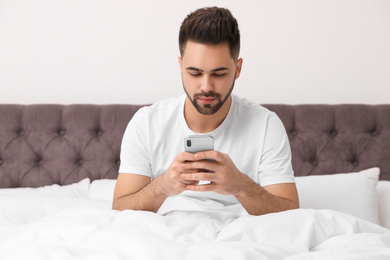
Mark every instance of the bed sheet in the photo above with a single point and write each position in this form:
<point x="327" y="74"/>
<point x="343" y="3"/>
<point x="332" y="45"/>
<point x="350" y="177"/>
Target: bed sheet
<point x="80" y="228"/>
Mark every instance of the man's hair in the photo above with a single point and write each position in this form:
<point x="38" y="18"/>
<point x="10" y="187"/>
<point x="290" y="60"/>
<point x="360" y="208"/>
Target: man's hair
<point x="213" y="26"/>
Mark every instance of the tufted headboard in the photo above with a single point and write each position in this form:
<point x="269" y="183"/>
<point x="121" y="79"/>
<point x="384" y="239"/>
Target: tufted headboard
<point x="63" y="144"/>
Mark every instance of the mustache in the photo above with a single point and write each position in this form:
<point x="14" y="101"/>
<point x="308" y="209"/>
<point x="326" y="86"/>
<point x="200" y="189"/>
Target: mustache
<point x="208" y="94"/>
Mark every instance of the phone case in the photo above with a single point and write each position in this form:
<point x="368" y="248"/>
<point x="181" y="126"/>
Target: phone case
<point x="198" y="143"/>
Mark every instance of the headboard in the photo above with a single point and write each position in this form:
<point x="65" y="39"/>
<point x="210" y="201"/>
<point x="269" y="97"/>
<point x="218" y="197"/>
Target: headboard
<point x="62" y="144"/>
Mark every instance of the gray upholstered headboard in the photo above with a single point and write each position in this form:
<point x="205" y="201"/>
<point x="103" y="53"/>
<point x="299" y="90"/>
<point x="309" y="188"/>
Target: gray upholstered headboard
<point x="63" y="144"/>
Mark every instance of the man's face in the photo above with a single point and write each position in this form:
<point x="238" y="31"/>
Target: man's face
<point x="208" y="73"/>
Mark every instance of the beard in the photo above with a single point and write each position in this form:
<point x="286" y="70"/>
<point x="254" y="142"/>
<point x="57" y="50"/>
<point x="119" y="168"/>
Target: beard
<point x="209" y="109"/>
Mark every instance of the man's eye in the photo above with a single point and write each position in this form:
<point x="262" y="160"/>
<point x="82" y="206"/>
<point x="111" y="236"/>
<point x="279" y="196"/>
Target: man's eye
<point x="219" y="74"/>
<point x="195" y="74"/>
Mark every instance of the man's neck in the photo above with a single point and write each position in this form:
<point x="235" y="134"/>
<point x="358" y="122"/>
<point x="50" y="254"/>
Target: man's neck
<point x="200" y="123"/>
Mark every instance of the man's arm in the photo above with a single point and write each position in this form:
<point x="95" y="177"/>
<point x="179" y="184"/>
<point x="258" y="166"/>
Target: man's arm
<point x="259" y="200"/>
<point x="225" y="178"/>
<point x="138" y="192"/>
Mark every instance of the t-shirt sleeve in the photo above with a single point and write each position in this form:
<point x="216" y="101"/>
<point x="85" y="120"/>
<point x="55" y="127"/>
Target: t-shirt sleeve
<point x="275" y="165"/>
<point x="135" y="157"/>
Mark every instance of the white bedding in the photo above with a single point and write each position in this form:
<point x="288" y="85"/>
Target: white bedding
<point x="76" y="222"/>
<point x="83" y="228"/>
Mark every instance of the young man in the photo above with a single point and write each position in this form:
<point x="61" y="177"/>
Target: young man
<point x="251" y="160"/>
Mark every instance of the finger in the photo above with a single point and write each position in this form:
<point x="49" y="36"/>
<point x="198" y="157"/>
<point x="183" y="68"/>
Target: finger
<point x="207" y="155"/>
<point x="204" y="187"/>
<point x="192" y="170"/>
<point x="189" y="167"/>
<point x="199" y="176"/>
<point x="190" y="182"/>
<point x="203" y="166"/>
<point x="185" y="157"/>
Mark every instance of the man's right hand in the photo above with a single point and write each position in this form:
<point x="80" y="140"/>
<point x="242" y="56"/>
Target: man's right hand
<point x="171" y="180"/>
<point x="138" y="192"/>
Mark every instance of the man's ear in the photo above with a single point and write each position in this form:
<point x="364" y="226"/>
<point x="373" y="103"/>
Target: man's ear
<point x="238" y="67"/>
<point x="180" y="63"/>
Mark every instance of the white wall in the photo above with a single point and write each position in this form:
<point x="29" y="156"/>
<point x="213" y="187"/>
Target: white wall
<point x="124" y="51"/>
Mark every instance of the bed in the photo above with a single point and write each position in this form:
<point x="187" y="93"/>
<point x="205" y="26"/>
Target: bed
<point x="58" y="165"/>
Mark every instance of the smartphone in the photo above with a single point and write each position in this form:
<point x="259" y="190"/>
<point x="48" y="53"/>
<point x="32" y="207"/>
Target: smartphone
<point x="198" y="143"/>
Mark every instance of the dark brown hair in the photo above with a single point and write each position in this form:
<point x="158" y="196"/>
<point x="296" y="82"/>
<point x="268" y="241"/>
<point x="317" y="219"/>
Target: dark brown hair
<point x="211" y="25"/>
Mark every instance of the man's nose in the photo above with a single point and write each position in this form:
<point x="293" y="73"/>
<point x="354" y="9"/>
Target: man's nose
<point x="207" y="84"/>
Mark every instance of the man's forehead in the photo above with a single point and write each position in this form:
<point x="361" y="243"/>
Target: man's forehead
<point x="207" y="57"/>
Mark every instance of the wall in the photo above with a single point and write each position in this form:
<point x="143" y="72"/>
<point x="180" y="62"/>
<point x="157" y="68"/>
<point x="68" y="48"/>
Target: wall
<point x="123" y="51"/>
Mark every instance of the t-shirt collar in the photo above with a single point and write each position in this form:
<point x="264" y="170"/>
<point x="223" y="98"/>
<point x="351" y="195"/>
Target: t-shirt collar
<point x="216" y="131"/>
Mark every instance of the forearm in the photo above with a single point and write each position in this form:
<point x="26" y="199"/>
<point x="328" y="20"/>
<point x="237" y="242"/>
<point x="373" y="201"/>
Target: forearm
<point x="258" y="201"/>
<point x="149" y="198"/>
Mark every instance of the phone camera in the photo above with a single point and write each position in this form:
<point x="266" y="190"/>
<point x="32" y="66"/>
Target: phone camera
<point x="188" y="143"/>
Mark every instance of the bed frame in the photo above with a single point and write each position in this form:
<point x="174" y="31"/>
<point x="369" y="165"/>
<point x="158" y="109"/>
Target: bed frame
<point x="63" y="144"/>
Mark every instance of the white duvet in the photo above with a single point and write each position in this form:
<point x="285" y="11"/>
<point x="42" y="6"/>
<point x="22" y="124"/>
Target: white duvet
<point x="43" y="227"/>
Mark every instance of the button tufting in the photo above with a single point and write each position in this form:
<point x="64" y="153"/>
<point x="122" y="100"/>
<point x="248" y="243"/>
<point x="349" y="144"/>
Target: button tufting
<point x="61" y="132"/>
<point x="118" y="161"/>
<point x="1" y="161"/>
<point x="354" y="163"/>
<point x="80" y="161"/>
<point x="39" y="161"/>
<point x="374" y="132"/>
<point x="99" y="132"/>
<point x="333" y="133"/>
<point x="21" y="132"/>
<point x="293" y="132"/>
<point x="354" y="160"/>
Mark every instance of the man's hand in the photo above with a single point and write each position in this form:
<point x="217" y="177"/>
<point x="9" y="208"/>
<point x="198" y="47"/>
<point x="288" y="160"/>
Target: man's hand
<point x="215" y="167"/>
<point x="172" y="181"/>
<point x="226" y="179"/>
<point x="138" y="192"/>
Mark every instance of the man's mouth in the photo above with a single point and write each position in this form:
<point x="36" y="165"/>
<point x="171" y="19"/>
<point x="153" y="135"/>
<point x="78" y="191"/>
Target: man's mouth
<point x="206" y="100"/>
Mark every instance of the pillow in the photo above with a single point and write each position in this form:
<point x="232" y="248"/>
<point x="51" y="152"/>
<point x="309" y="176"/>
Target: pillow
<point x="383" y="190"/>
<point x="352" y="193"/>
<point x="79" y="189"/>
<point x="24" y="209"/>
<point x="102" y="189"/>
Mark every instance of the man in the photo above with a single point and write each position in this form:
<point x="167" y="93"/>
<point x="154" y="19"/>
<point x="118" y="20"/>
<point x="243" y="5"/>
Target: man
<point x="251" y="163"/>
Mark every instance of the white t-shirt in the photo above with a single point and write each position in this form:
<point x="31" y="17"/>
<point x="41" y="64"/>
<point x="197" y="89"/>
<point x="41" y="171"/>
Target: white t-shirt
<point x="252" y="136"/>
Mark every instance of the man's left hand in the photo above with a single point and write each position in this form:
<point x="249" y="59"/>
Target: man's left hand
<point x="215" y="167"/>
